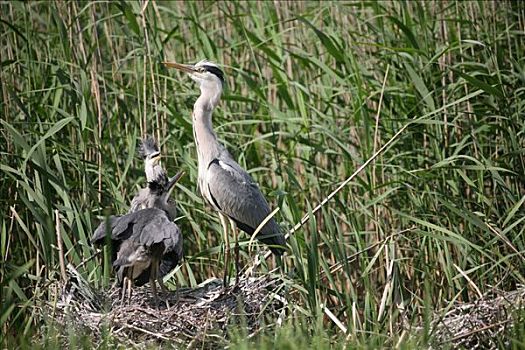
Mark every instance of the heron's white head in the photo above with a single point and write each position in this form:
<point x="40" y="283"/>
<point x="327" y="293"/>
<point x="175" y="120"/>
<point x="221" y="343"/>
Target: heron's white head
<point x="207" y="74"/>
<point x="203" y="72"/>
<point x="152" y="160"/>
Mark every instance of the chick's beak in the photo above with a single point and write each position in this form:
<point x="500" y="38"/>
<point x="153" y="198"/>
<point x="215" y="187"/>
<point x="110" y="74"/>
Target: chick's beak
<point x="171" y="183"/>
<point x="155" y="159"/>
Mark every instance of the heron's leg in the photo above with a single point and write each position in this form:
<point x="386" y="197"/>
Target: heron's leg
<point x="123" y="291"/>
<point x="226" y="249"/>
<point x="162" y="285"/>
<point x="236" y="250"/>
<point x="114" y="285"/>
<point x="164" y="290"/>
<point x="130" y="289"/>
<point x="126" y="286"/>
<point x="153" y="278"/>
<point x="130" y="283"/>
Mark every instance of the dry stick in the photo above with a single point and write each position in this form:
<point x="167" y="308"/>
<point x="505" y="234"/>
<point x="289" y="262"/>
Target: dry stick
<point x="506" y="240"/>
<point x="306" y="217"/>
<point x="148" y="59"/>
<point x="156" y="335"/>
<point x="60" y="248"/>
<point x="464" y="274"/>
<point x="261" y="225"/>
<point x="374" y="179"/>
<point x="338" y="266"/>
<point x="334" y="319"/>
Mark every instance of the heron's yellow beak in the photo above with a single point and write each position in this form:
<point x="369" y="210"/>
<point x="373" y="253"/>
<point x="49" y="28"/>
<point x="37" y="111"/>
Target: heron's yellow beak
<point x="182" y="67"/>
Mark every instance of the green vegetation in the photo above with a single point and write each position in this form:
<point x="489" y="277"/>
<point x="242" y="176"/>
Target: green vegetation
<point x="314" y="90"/>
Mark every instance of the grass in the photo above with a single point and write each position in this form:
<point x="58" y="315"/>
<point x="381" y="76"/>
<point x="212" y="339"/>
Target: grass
<point x="314" y="89"/>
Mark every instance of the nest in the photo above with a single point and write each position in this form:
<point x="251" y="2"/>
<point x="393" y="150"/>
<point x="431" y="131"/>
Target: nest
<point x="190" y="317"/>
<point x="484" y="324"/>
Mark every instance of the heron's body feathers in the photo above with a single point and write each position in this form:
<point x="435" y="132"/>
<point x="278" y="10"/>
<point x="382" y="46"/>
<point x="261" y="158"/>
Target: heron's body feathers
<point x="233" y="192"/>
<point x="134" y="256"/>
<point x="150" y="228"/>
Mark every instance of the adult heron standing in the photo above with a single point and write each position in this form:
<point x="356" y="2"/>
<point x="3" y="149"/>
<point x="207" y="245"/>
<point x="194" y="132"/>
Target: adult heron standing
<point x="228" y="188"/>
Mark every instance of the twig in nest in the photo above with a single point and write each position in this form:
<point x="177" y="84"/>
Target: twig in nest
<point x="156" y="335"/>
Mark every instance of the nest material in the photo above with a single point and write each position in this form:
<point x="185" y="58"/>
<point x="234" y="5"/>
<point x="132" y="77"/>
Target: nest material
<point x="188" y="317"/>
<point x="483" y="324"/>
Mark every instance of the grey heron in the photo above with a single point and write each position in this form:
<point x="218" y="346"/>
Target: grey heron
<point x="156" y="178"/>
<point x="228" y="188"/>
<point x="146" y="243"/>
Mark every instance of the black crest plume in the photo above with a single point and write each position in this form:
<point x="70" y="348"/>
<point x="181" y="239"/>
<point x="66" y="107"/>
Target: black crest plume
<point x="215" y="70"/>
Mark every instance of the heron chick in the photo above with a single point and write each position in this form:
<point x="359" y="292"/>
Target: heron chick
<point x="132" y="260"/>
<point x="228" y="188"/>
<point x="155" y="174"/>
<point x="144" y="235"/>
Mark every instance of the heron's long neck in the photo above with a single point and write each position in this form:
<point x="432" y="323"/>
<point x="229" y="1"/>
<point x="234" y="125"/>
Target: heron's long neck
<point x="205" y="139"/>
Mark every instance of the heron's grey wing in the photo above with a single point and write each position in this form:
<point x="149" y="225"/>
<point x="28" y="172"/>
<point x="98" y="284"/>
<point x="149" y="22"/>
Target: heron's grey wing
<point x="133" y="224"/>
<point x="234" y="193"/>
<point x="105" y="234"/>
<point x="173" y="250"/>
<point x="125" y="226"/>
<point x="160" y="230"/>
<point x="99" y="236"/>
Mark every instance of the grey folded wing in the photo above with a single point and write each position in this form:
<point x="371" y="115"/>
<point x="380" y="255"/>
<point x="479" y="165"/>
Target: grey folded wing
<point x="236" y="195"/>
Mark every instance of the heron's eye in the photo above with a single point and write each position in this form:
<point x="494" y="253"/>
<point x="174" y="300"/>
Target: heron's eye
<point x="201" y="70"/>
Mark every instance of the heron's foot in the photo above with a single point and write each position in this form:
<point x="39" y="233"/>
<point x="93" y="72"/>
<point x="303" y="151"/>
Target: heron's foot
<point x="162" y="303"/>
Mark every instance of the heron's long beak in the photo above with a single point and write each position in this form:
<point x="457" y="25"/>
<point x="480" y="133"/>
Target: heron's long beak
<point x="182" y="67"/>
<point x="171" y="183"/>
